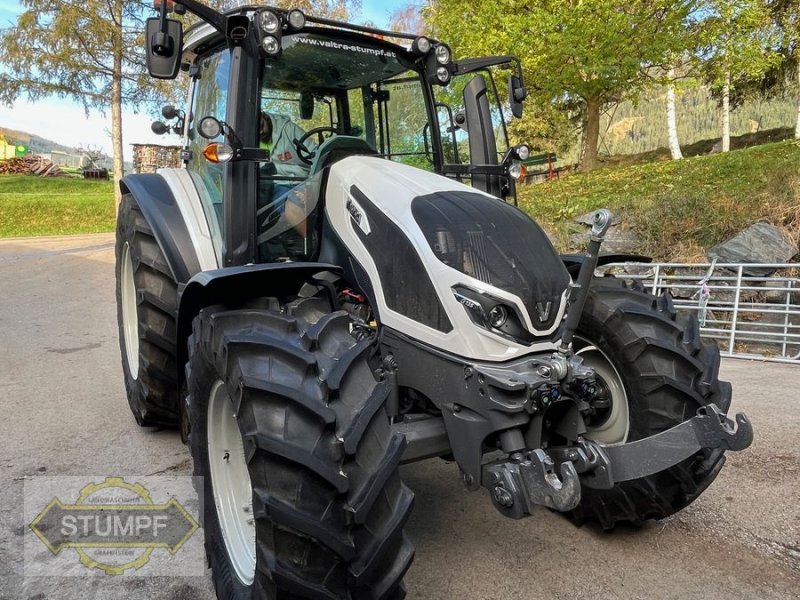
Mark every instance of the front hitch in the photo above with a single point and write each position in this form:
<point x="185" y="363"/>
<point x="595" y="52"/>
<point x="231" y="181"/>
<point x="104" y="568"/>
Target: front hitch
<point x="527" y="480"/>
<point x="553" y="477"/>
<point x="709" y="429"/>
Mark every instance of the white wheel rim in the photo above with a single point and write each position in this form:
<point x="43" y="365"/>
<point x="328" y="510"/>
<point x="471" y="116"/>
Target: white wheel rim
<point x="130" y="316"/>
<point x="614" y="430"/>
<point x="230" y="483"/>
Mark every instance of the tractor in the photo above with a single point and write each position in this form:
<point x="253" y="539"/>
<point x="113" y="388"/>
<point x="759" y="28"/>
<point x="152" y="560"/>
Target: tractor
<point x="337" y="282"/>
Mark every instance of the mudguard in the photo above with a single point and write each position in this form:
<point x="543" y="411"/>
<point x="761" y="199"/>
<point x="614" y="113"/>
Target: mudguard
<point x="233" y="285"/>
<point x="160" y="208"/>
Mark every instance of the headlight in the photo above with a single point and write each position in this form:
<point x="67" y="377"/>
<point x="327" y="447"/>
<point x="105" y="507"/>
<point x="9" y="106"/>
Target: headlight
<point x="517" y="171"/>
<point x="297" y="20"/>
<point x="523" y="151"/>
<point x="498" y="315"/>
<point x="442" y="74"/>
<point x="271" y="44"/>
<point x="493" y="314"/>
<point x="442" y="54"/>
<point x="270" y="22"/>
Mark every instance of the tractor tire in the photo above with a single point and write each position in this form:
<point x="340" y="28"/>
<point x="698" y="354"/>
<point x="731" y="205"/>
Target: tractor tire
<point x="306" y="422"/>
<point x="658" y="373"/>
<point x="147" y="306"/>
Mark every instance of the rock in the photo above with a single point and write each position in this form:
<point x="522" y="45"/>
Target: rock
<point x="639" y="269"/>
<point x="759" y="243"/>
<point x="617" y="241"/>
<point x="620" y="241"/>
<point x="716" y="147"/>
<point x="588" y="219"/>
<point x="578" y="241"/>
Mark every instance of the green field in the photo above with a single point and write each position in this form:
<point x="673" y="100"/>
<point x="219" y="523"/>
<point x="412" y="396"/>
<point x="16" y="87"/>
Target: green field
<point x="32" y="206"/>
<point x="679" y="208"/>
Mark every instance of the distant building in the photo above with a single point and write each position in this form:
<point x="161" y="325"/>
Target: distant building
<point x="10" y="149"/>
<point x="64" y="159"/>
<point x="148" y="158"/>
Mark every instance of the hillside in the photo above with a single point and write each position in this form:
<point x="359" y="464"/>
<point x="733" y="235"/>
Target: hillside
<point x="37" y="144"/>
<point x="633" y="128"/>
<point x="679" y="208"/>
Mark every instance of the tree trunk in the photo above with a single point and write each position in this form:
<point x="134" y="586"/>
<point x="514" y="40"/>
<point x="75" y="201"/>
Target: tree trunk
<point x="116" y="103"/>
<point x="672" y="121"/>
<point x="797" y="126"/>
<point x="726" y="113"/>
<point x="590" y="136"/>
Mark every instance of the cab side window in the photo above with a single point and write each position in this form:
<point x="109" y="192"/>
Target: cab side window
<point x="209" y="99"/>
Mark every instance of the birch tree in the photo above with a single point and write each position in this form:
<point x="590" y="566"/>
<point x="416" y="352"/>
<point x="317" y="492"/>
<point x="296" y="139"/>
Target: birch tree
<point x="737" y="45"/>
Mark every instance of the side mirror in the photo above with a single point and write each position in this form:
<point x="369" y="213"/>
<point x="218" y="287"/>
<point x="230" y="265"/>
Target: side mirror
<point x="306" y="105"/>
<point x="516" y="94"/>
<point x="163" y="50"/>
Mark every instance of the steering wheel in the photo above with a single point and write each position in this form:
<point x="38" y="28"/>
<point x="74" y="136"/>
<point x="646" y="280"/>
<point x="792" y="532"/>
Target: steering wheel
<point x="304" y="153"/>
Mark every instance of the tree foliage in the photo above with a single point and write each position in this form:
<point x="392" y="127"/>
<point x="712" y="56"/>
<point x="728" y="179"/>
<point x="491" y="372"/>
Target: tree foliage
<point x="67" y="48"/>
<point x="736" y="41"/>
<point x="579" y="55"/>
<point x="90" y="51"/>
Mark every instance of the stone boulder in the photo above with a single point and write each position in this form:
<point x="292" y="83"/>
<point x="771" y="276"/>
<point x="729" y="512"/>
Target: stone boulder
<point x="759" y="243"/>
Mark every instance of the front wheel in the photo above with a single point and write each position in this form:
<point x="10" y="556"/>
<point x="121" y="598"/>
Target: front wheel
<point x="302" y="497"/>
<point x="655" y="373"/>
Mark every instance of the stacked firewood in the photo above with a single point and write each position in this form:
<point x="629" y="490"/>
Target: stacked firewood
<point x="29" y="165"/>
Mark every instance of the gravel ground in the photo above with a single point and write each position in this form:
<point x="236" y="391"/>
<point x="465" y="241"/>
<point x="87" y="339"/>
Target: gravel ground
<point x="66" y="414"/>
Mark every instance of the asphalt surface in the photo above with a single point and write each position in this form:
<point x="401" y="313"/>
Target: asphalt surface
<point x="64" y="413"/>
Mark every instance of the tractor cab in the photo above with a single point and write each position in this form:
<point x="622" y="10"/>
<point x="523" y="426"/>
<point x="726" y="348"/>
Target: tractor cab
<point x="277" y="97"/>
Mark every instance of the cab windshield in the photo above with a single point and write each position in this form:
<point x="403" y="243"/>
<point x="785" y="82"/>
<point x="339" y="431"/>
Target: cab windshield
<point x="322" y="100"/>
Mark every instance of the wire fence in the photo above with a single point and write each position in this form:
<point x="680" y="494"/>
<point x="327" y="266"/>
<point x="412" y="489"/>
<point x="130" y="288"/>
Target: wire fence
<point x="751" y="310"/>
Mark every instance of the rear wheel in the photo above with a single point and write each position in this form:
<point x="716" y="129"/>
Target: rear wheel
<point x="302" y="497"/>
<point x="656" y="373"/>
<point x="147" y="298"/>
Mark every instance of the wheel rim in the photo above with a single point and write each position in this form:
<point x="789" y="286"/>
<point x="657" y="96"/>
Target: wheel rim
<point x="130" y="316"/>
<point x="614" y="429"/>
<point x="230" y="483"/>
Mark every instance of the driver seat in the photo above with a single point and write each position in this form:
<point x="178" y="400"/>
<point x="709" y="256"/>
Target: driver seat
<point x="335" y="149"/>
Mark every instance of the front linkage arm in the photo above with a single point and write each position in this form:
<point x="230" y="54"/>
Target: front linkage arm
<point x="553" y="478"/>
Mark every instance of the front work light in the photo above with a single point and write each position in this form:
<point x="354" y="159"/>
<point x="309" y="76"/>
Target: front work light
<point x="442" y="54"/>
<point x="270" y="22"/>
<point x="297" y="20"/>
<point x="442" y="74"/>
<point x="271" y="45"/>
<point x="421" y="45"/>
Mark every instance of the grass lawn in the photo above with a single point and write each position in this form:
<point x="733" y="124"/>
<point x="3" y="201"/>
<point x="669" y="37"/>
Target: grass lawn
<point x="31" y="205"/>
<point x="679" y="208"/>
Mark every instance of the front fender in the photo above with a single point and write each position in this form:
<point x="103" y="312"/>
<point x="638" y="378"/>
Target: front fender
<point x="160" y="208"/>
<point x="573" y="262"/>
<point x="234" y="285"/>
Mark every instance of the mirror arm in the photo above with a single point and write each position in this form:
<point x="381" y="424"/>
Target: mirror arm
<point x="216" y="19"/>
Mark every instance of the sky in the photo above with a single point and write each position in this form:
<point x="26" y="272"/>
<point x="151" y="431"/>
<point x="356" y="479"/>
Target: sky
<point x="65" y="122"/>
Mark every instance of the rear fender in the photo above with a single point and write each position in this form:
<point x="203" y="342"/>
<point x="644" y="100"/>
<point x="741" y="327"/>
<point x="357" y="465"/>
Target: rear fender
<point x="234" y="285"/>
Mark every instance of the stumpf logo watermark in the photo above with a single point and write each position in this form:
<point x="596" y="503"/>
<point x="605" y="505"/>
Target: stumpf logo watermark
<point x="112" y="525"/>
